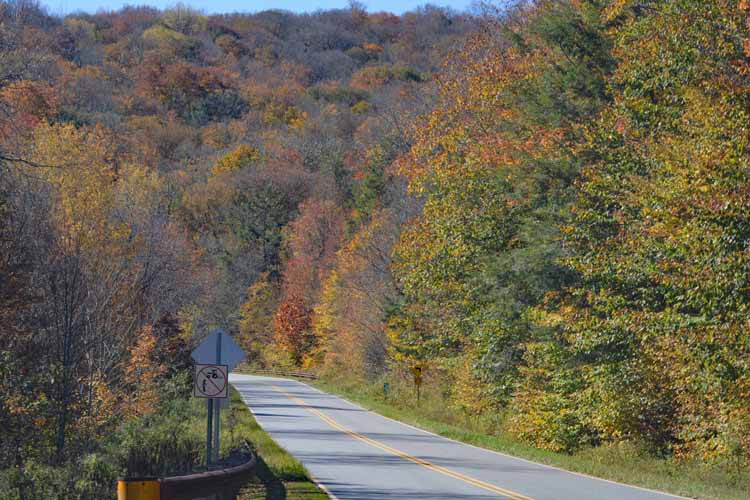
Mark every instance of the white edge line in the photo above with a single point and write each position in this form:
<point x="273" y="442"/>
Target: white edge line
<point x="580" y="474"/>
<point x="320" y="485"/>
<point x="309" y="474"/>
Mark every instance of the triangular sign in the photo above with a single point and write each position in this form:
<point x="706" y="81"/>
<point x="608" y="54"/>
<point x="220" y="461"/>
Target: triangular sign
<point x="221" y="343"/>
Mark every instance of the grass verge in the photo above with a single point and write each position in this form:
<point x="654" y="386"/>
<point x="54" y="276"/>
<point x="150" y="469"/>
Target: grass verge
<point x="623" y="463"/>
<point x="279" y="476"/>
<point x="169" y="441"/>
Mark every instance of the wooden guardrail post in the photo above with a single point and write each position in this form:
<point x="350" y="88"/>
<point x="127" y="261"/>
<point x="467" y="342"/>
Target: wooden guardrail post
<point x="138" y="489"/>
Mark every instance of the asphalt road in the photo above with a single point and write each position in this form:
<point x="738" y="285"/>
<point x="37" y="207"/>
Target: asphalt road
<point x="356" y="454"/>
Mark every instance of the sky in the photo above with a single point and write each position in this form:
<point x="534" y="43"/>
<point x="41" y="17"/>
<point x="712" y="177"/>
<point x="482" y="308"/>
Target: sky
<point x="62" y="7"/>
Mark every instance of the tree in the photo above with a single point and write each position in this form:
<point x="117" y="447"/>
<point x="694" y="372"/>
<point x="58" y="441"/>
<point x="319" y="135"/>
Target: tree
<point x="102" y="256"/>
<point x="142" y="374"/>
<point x="312" y="242"/>
<point x="656" y="325"/>
<point x="24" y="409"/>
<point x="494" y="165"/>
<point x="350" y="319"/>
<point x="292" y="327"/>
<point x="257" y="313"/>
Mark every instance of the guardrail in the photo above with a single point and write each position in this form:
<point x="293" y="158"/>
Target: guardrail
<point x="219" y="483"/>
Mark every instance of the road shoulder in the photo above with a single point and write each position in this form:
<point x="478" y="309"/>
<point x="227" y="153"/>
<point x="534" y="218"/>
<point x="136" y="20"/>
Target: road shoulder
<point x="659" y="476"/>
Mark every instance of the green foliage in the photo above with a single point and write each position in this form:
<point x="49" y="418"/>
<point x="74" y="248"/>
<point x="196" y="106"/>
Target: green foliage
<point x="497" y="180"/>
<point x="89" y="479"/>
<point x="656" y="322"/>
<point x="165" y="442"/>
<point x="338" y="94"/>
<point x="373" y="182"/>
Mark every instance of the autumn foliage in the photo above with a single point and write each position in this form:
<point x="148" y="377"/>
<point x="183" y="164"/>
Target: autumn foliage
<point x="142" y="374"/>
<point x="547" y="202"/>
<point x="163" y="173"/>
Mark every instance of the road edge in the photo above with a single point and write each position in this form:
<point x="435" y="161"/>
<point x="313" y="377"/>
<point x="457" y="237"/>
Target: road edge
<point x="496" y="452"/>
<point x="310" y="475"/>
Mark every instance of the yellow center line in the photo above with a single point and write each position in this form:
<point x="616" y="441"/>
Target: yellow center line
<point x="420" y="461"/>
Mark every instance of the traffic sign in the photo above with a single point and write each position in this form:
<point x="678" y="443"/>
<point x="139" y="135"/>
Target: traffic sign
<point x="417" y="371"/>
<point x="218" y="348"/>
<point x="211" y="381"/>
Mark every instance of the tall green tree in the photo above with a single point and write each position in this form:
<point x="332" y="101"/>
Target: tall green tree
<point x="494" y="164"/>
<point x="657" y="326"/>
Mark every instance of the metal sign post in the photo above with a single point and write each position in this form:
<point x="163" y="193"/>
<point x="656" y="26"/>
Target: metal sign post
<point x="217" y="403"/>
<point x="209" y="421"/>
<point x="212" y="382"/>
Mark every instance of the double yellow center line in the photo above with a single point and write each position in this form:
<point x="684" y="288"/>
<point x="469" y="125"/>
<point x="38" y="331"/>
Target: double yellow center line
<point x="424" y="463"/>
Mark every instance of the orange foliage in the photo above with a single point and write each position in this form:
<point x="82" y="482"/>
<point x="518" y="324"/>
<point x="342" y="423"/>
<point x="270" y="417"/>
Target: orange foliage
<point x="313" y="240"/>
<point x="142" y="374"/>
<point x="27" y="103"/>
<point x="292" y="327"/>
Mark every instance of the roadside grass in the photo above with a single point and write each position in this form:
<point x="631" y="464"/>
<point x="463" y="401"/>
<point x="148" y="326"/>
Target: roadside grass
<point x="279" y="476"/>
<point x="622" y="463"/>
<point x="173" y="442"/>
<point x="169" y="441"/>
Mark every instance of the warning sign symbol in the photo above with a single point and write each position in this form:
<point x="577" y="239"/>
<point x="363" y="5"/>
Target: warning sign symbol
<point x="211" y="381"/>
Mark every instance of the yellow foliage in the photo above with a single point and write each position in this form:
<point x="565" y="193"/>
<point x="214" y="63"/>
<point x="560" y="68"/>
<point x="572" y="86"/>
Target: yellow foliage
<point x="161" y="35"/>
<point x="105" y="406"/>
<point x="256" y="317"/>
<point x="242" y="156"/>
<point x="83" y="171"/>
<point x="469" y="392"/>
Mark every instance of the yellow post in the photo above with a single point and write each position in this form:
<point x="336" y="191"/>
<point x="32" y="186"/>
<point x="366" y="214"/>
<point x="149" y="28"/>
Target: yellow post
<point x="138" y="489"/>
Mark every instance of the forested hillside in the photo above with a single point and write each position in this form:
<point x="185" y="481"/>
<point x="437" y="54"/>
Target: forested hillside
<point x="167" y="172"/>
<point x="546" y="204"/>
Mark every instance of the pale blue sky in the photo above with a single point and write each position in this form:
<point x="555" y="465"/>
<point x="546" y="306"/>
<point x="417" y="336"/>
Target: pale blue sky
<point x="219" y="6"/>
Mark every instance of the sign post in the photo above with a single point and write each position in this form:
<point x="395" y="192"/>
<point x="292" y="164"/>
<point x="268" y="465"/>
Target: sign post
<point x="217" y="403"/>
<point x="417" y="371"/>
<point x="209" y="426"/>
<point x="211" y="381"/>
<point x="214" y="357"/>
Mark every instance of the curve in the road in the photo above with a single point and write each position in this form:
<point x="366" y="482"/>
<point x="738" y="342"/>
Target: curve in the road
<point x="429" y="465"/>
<point x="355" y="454"/>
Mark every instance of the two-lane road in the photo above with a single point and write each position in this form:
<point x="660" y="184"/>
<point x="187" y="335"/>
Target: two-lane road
<point x="360" y="455"/>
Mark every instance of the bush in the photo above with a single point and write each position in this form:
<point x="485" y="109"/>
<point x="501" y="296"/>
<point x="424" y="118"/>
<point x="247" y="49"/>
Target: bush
<point x="90" y="478"/>
<point x="163" y="443"/>
<point x="169" y="441"/>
